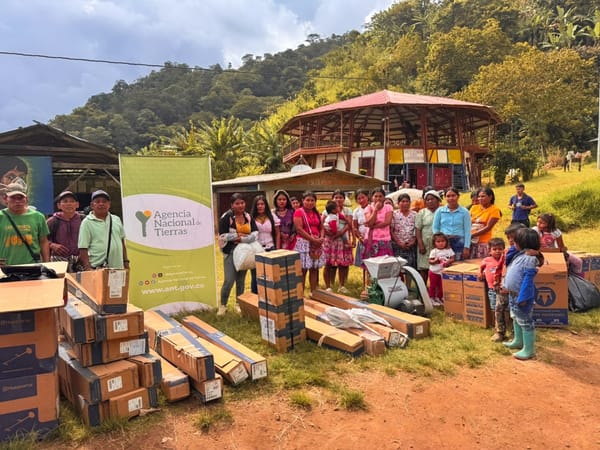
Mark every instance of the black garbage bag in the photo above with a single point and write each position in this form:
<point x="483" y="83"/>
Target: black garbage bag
<point x="27" y="272"/>
<point x="583" y="295"/>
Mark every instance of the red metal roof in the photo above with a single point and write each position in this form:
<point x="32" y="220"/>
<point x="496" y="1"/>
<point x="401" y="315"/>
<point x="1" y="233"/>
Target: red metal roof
<point x="386" y="97"/>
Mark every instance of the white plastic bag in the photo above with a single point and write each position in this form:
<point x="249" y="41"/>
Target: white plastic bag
<point x="243" y="255"/>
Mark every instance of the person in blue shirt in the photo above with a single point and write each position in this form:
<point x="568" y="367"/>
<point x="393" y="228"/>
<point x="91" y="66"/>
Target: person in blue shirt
<point x="522" y="293"/>
<point x="455" y="222"/>
<point x="521" y="205"/>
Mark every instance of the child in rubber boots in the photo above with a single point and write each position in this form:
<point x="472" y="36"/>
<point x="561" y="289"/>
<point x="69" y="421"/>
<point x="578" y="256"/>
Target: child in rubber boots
<point x="487" y="271"/>
<point x="441" y="256"/>
<point x="519" y="282"/>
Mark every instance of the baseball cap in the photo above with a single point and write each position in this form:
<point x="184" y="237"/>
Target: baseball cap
<point x="64" y="194"/>
<point x="15" y="189"/>
<point x="436" y="194"/>
<point x="100" y="193"/>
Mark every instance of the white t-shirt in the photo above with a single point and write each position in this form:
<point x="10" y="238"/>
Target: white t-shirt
<point x="443" y="254"/>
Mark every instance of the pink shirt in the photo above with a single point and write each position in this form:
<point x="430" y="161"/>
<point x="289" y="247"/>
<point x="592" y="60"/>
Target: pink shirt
<point x="489" y="266"/>
<point x="314" y="221"/>
<point x="380" y="234"/>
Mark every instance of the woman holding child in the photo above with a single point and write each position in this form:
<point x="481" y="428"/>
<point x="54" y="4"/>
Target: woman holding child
<point x="338" y="241"/>
<point x="455" y="222"/>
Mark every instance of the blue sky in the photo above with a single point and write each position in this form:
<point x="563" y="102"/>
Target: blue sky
<point x="195" y="32"/>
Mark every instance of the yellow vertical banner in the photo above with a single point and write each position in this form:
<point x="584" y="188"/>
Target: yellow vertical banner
<point x="168" y="219"/>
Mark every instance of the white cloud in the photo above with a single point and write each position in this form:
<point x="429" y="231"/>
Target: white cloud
<point x="196" y="32"/>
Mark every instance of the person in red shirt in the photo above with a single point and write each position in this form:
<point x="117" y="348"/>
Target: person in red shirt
<point x="488" y="271"/>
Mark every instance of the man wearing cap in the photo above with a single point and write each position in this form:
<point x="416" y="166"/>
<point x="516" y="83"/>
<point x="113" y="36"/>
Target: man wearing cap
<point x="102" y="236"/>
<point x="64" y="230"/>
<point x="23" y="230"/>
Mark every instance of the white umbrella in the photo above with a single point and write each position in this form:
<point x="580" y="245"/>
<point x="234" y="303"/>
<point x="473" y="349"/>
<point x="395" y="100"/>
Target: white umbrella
<point x="414" y="194"/>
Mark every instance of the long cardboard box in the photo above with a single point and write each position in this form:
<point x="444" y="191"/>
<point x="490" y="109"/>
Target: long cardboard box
<point x="392" y="337"/>
<point x="373" y="342"/>
<point x="104" y="290"/>
<point x="328" y="336"/>
<point x="208" y="390"/>
<point x="28" y="403"/>
<point x="476" y="300"/>
<point x="174" y="384"/>
<point x="414" y="327"/>
<point x="103" y="352"/>
<point x="255" y="364"/>
<point x="177" y="345"/>
<point x="28" y="343"/>
<point x="97" y="383"/>
<point x="229" y="366"/>
<point x="77" y="321"/>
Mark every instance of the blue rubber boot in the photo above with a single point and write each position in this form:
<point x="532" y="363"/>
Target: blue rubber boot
<point x="517" y="341"/>
<point x="528" y="350"/>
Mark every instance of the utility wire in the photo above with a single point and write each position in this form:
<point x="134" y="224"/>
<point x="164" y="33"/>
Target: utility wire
<point x="158" y="66"/>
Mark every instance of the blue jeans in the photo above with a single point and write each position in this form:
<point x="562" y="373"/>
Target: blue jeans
<point x="457" y="244"/>
<point x="492" y="297"/>
<point x="231" y="276"/>
<point x="523" y="318"/>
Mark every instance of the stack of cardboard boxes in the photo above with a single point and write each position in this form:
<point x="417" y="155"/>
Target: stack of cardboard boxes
<point x="28" y="373"/>
<point x="466" y="299"/>
<point x="281" y="298"/>
<point x="105" y="369"/>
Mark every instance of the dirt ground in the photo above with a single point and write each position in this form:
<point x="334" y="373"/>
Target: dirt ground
<point x="552" y="402"/>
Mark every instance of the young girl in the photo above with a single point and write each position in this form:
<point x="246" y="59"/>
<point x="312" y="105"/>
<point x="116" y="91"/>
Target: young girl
<point x="519" y="282"/>
<point x="441" y="256"/>
<point x="285" y="213"/>
<point x="333" y="219"/>
<point x="551" y="237"/>
<point x="360" y="231"/>
<point x="268" y="230"/>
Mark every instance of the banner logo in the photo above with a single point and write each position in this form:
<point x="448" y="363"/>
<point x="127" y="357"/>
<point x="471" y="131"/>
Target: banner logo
<point x="168" y="222"/>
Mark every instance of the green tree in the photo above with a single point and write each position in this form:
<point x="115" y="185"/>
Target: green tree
<point x="455" y="57"/>
<point x="222" y="139"/>
<point x="547" y="97"/>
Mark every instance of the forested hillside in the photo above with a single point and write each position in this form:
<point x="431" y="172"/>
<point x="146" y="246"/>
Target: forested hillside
<point x="534" y="61"/>
<point x="134" y="115"/>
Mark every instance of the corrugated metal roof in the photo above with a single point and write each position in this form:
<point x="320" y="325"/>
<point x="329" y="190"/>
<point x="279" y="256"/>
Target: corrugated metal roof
<point x="269" y="177"/>
<point x="386" y="97"/>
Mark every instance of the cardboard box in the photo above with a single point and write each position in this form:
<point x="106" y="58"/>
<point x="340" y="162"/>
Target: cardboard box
<point x="414" y="327"/>
<point x="175" y="385"/>
<point x="34" y="294"/>
<point x="278" y="265"/>
<point x="103" y="352"/>
<point x="77" y="321"/>
<point x="117" y="326"/>
<point x="452" y="284"/>
<point x="103" y="290"/>
<point x="280" y="292"/>
<point x="28" y="342"/>
<point x="127" y="405"/>
<point x="28" y="403"/>
<point x="552" y="305"/>
<point x="475" y="296"/>
<point x="208" y="390"/>
<point x="149" y="369"/>
<point x="96" y="383"/>
<point x="256" y="365"/>
<point x="292" y="311"/>
<point x="284" y="338"/>
<point x="179" y="346"/>
<point x="591" y="267"/>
